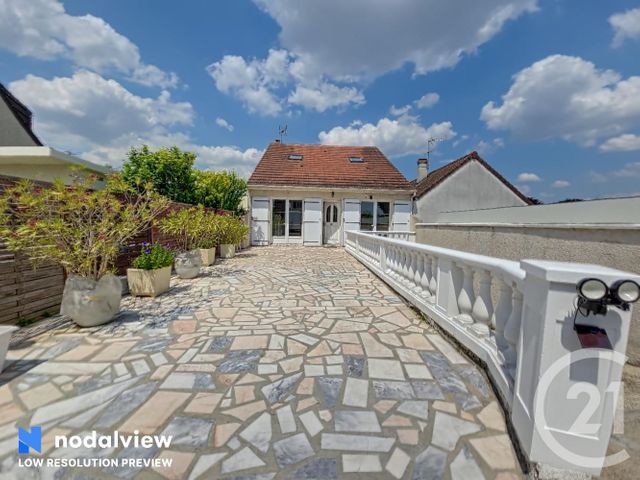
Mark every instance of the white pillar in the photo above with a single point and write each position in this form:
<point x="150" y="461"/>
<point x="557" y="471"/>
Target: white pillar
<point x="565" y="395"/>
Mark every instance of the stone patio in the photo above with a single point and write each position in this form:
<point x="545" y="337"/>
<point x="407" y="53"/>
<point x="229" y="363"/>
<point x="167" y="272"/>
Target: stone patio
<point x="284" y="362"/>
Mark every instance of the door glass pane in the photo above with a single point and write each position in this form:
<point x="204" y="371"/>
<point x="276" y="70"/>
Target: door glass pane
<point x="278" y="218"/>
<point x="382" y="223"/>
<point x="295" y="218"/>
<point x="327" y="217"/>
<point x="366" y="216"/>
<point x="335" y="214"/>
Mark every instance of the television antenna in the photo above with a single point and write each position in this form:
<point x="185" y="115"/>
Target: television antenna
<point x="431" y="142"/>
<point x="282" y="130"/>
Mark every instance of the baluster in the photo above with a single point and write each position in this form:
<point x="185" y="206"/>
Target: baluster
<point x="426" y="275"/>
<point x="501" y="316"/>
<point x="483" y="305"/>
<point x="512" y="331"/>
<point x="394" y="262"/>
<point x="433" y="281"/>
<point x="465" y="297"/>
<point x="406" y="262"/>
<point x="413" y="266"/>
<point x="417" y="276"/>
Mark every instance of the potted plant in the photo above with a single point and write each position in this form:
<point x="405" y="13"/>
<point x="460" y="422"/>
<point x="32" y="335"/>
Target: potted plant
<point x="232" y="231"/>
<point x="5" y="337"/>
<point x="151" y="272"/>
<point x="82" y="230"/>
<point x="185" y="226"/>
<point x="209" y="230"/>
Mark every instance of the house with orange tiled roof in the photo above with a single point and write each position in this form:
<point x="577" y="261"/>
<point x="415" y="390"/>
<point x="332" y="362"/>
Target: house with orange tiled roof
<point x="312" y="194"/>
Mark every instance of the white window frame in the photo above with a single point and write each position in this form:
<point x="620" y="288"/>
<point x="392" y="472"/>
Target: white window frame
<point x="286" y="238"/>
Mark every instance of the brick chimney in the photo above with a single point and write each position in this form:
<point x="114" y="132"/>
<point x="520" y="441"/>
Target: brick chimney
<point x="423" y="168"/>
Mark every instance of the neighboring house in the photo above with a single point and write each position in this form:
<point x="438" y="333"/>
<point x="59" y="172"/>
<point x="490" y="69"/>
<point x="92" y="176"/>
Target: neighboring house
<point x="468" y="183"/>
<point x="311" y="194"/>
<point x="23" y="155"/>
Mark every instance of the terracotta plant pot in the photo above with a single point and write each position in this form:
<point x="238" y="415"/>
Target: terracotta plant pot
<point x="208" y="256"/>
<point x="90" y="303"/>
<point x="188" y="264"/>
<point x="148" y="283"/>
<point x="227" y="251"/>
<point x="5" y="337"/>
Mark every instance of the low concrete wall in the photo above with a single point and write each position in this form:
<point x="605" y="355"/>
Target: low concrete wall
<point x="613" y="246"/>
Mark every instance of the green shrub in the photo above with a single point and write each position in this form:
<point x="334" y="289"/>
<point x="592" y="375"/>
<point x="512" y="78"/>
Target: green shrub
<point x="74" y="226"/>
<point x="232" y="230"/>
<point x="153" y="257"/>
<point x="193" y="227"/>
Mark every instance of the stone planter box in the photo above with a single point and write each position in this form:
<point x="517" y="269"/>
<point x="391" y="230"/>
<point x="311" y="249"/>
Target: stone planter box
<point x="227" y="251"/>
<point x="148" y="283"/>
<point x="90" y="303"/>
<point x="5" y="337"/>
<point x="188" y="264"/>
<point x="208" y="256"/>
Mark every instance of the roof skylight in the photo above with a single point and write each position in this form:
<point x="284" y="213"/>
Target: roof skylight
<point x="295" y="156"/>
<point x="356" y="159"/>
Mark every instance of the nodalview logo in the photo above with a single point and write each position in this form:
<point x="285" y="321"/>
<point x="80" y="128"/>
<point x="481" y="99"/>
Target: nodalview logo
<point x="29" y="439"/>
<point x="32" y="440"/>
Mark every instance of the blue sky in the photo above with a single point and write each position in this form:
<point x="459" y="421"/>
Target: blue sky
<point x="548" y="91"/>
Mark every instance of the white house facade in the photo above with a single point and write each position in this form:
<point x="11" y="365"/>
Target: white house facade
<point x="312" y="194"/>
<point x="468" y="183"/>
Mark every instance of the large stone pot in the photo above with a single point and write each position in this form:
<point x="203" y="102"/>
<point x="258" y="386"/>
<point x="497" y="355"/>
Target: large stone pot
<point x="5" y="337"/>
<point x="188" y="264"/>
<point x="227" y="251"/>
<point x="207" y="255"/>
<point x="90" y="303"/>
<point x="148" y="283"/>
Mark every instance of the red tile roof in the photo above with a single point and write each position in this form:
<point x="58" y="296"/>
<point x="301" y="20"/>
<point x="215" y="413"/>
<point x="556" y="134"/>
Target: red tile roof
<point x="436" y="177"/>
<point x="327" y="166"/>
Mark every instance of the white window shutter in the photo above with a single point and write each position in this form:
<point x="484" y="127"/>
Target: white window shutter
<point x="401" y="219"/>
<point x="351" y="214"/>
<point x="260" y="221"/>
<point x="312" y="221"/>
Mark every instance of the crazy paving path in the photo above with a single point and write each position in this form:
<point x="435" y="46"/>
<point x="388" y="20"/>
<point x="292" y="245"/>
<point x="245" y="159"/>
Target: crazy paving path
<point x="284" y="362"/>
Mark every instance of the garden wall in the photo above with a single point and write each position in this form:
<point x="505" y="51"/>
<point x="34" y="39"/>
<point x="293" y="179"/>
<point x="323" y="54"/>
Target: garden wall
<point x="27" y="293"/>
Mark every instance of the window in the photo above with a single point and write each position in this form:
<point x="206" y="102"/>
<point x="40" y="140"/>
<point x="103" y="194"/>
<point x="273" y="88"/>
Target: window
<point x="278" y="218"/>
<point x="331" y="215"/>
<point x="295" y="218"/>
<point x="356" y="159"/>
<point x="295" y="156"/>
<point x="366" y="216"/>
<point x="382" y="216"/>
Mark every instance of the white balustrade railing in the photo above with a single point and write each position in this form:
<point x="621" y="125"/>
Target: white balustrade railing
<point x="516" y="317"/>
<point x="396" y="234"/>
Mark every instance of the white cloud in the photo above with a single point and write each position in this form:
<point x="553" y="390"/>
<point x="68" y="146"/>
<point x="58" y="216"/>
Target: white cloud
<point x="100" y="120"/>
<point x="623" y="143"/>
<point x="42" y="29"/>
<point x="399" y="111"/>
<point x="528" y="177"/>
<point x="221" y="122"/>
<point x="260" y="84"/>
<point x="560" y="184"/>
<point x="395" y="137"/>
<point x="325" y="96"/>
<point x="626" y="25"/>
<point x="488" y="147"/>
<point x="362" y="39"/>
<point x="630" y="170"/>
<point x="566" y="97"/>
<point x="428" y="100"/>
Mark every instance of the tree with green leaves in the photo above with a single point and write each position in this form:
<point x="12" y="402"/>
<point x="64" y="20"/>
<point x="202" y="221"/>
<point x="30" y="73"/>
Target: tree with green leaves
<point x="222" y="190"/>
<point x="169" y="170"/>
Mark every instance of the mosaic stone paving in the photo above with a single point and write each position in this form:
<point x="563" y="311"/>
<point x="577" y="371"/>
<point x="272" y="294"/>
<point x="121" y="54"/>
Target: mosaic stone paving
<point x="284" y="362"/>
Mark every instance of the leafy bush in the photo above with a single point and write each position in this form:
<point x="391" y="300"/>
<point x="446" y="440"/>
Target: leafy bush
<point x="81" y="229"/>
<point x="232" y="230"/>
<point x="153" y="257"/>
<point x="168" y="170"/>
<point x="221" y="190"/>
<point x="194" y="227"/>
